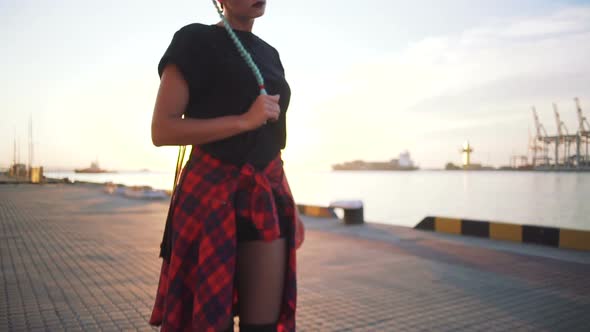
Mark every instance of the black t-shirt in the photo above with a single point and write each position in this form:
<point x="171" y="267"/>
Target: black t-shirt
<point x="221" y="83"/>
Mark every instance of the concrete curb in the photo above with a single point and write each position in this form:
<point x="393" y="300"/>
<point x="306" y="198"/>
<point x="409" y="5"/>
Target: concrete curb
<point x="548" y="236"/>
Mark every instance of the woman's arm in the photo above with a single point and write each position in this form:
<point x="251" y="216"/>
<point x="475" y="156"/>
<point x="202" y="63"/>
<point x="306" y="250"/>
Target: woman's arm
<point x="169" y="128"/>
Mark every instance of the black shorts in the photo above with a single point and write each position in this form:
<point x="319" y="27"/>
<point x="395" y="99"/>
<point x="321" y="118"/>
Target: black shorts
<point x="247" y="232"/>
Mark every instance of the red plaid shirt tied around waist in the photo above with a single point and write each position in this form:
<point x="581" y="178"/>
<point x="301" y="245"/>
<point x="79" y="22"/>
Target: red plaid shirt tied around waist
<point x="197" y="289"/>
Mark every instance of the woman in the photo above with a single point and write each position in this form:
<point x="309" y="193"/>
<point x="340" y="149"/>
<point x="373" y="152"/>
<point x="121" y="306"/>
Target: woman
<point x="232" y="229"/>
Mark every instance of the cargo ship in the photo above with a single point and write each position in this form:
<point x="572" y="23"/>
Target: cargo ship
<point x="94" y="168"/>
<point x="403" y="163"/>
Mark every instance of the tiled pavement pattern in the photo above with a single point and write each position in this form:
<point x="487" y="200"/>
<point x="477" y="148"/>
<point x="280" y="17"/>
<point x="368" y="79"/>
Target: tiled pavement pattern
<point x="73" y="258"/>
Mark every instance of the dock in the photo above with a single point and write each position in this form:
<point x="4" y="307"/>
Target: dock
<point x="75" y="258"/>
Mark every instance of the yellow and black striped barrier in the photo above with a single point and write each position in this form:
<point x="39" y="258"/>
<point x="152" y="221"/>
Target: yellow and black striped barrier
<point x="549" y="236"/>
<point x="316" y="211"/>
<point x="353" y="211"/>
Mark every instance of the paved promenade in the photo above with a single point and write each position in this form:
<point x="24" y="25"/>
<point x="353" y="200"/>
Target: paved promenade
<point x="74" y="258"/>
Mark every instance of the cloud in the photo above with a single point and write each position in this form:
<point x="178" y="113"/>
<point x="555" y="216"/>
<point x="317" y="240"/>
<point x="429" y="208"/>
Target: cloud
<point x="562" y="23"/>
<point x="476" y="82"/>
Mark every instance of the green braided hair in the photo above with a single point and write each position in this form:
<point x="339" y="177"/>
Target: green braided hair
<point x="243" y="52"/>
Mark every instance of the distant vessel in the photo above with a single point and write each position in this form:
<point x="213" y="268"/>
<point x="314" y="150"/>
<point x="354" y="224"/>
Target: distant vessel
<point x="94" y="168"/>
<point x="403" y="163"/>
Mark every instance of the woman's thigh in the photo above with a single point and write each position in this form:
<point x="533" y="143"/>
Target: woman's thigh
<point x="260" y="272"/>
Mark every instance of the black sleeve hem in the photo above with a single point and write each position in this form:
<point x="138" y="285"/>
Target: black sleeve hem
<point x="178" y="53"/>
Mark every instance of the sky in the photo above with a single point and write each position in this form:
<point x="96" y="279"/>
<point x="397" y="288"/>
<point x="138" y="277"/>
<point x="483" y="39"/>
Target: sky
<point x="369" y="79"/>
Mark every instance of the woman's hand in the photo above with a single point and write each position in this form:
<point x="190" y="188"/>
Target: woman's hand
<point x="264" y="108"/>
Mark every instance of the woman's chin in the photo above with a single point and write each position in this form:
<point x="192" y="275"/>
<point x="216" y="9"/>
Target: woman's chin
<point x="257" y="11"/>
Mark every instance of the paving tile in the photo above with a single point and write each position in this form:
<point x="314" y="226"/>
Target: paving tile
<point x="71" y="262"/>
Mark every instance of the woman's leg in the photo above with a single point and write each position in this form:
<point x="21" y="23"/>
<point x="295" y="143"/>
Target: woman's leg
<point x="260" y="272"/>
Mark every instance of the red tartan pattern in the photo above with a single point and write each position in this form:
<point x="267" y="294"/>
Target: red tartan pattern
<point x="197" y="289"/>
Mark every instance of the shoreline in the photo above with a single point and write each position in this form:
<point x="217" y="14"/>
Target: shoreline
<point x="115" y="188"/>
<point x="385" y="205"/>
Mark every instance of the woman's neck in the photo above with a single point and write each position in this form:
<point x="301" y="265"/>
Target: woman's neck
<point x="239" y="24"/>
